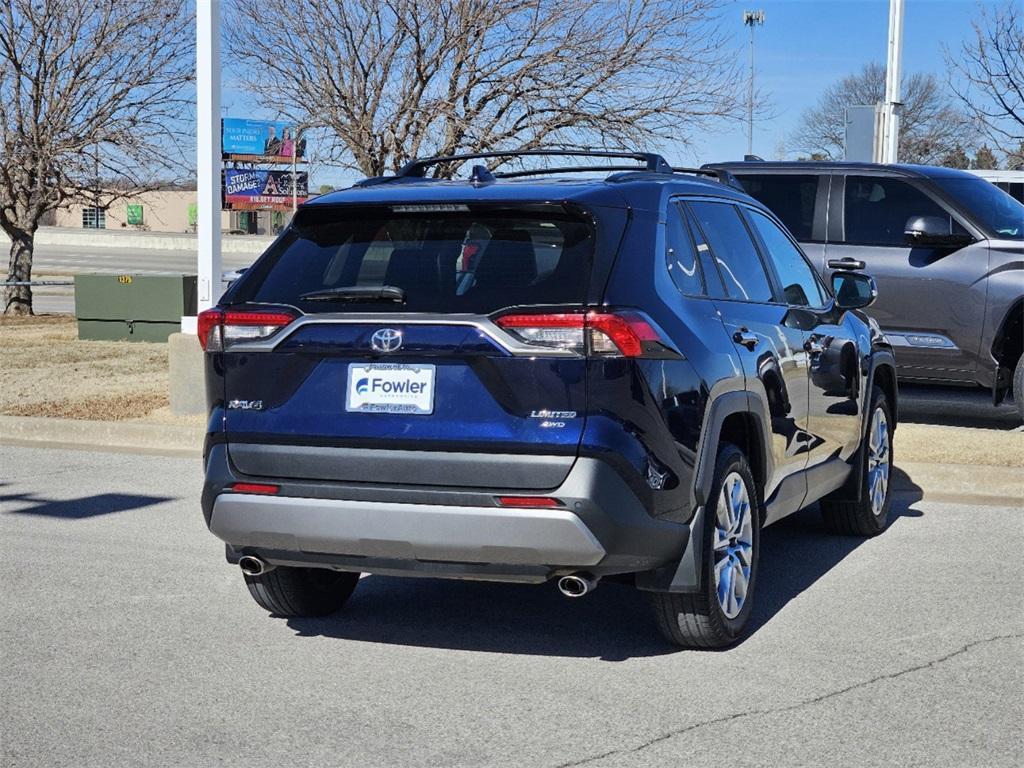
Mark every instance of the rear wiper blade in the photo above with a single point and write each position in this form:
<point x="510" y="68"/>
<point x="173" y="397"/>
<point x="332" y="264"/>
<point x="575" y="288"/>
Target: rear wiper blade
<point x="358" y="293"/>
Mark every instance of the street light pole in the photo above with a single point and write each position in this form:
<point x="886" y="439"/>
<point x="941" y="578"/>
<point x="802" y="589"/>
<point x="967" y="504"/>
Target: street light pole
<point x="890" y="138"/>
<point x="751" y="19"/>
<point x="208" y="163"/>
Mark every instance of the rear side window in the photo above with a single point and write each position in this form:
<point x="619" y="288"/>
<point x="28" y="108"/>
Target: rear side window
<point x="735" y="255"/>
<point x="681" y="255"/>
<point x="876" y="209"/>
<point x="791" y="198"/>
<point x="444" y="262"/>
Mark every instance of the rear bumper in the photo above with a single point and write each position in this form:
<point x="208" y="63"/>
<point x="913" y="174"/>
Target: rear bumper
<point x="423" y="532"/>
<point x="602" y="527"/>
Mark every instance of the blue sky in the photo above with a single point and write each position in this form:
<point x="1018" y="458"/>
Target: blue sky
<point x="806" y="45"/>
<point x="803" y="47"/>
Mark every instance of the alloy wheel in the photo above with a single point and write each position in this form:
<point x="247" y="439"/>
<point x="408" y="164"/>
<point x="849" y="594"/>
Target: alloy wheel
<point x="733" y="544"/>
<point x="878" y="461"/>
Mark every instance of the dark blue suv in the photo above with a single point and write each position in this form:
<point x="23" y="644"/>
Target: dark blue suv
<point x="531" y="376"/>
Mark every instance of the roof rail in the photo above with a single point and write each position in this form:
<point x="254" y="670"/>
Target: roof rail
<point x="720" y="174"/>
<point x="652" y="162"/>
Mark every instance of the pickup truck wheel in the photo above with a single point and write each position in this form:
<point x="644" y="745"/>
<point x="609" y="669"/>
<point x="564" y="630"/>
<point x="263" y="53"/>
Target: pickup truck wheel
<point x="869" y="515"/>
<point x="1018" y="387"/>
<point x="287" y="591"/>
<point x="717" y="614"/>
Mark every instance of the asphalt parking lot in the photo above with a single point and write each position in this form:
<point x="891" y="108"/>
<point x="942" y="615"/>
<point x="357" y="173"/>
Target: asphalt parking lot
<point x="126" y="640"/>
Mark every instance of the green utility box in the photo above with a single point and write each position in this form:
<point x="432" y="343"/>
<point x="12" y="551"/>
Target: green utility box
<point x="111" y="307"/>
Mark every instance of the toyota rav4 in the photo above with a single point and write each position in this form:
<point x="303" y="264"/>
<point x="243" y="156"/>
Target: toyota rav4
<point x="529" y="376"/>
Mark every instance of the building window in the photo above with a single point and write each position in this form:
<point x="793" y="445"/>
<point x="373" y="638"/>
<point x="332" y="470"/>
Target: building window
<point x="94" y="218"/>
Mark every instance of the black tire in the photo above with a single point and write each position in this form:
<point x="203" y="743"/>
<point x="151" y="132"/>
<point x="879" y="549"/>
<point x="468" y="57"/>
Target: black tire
<point x="850" y="517"/>
<point x="1018" y="387"/>
<point x="698" y="620"/>
<point x="286" y="591"/>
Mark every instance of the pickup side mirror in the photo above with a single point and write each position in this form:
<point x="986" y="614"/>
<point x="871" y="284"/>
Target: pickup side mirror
<point x="854" y="290"/>
<point x="934" y="230"/>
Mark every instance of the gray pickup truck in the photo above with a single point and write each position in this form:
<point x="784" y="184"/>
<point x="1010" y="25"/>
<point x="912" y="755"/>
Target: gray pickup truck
<point x="945" y="247"/>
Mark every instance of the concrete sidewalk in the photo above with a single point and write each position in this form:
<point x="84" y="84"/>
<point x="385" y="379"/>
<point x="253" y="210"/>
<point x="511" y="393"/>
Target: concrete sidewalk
<point x="960" y="483"/>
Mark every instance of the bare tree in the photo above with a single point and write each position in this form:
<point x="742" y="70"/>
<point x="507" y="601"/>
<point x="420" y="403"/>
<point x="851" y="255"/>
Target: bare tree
<point x="89" y="89"/>
<point x="988" y="75"/>
<point x="931" y="125"/>
<point x="395" y="79"/>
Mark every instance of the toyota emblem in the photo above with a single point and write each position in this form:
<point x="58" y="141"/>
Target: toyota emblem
<point x="386" y="340"/>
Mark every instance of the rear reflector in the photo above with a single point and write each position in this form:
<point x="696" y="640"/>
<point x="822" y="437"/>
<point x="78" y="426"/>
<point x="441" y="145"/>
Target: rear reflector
<point x="263" y="488"/>
<point x="528" y="501"/>
<point x="218" y="329"/>
<point x="618" y="333"/>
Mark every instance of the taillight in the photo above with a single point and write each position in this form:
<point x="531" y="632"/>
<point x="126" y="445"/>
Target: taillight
<point x="625" y="334"/>
<point x="219" y="329"/>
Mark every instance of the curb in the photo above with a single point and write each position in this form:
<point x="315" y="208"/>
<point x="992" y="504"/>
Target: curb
<point x="965" y="483"/>
<point x="101" y="435"/>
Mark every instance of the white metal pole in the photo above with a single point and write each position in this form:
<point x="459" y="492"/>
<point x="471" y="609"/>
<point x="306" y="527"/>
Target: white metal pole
<point x="208" y="165"/>
<point x="295" y="183"/>
<point x="890" y="126"/>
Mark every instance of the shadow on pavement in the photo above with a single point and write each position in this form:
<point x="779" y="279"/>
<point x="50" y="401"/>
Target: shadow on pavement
<point x="614" y="623"/>
<point x="955" y="407"/>
<point x="77" y="509"/>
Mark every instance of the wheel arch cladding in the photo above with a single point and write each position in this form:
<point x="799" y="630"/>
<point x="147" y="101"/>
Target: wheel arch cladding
<point x="738" y="418"/>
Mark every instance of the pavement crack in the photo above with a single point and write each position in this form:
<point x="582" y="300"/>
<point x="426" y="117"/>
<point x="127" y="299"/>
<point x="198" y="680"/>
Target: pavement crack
<point x="792" y="707"/>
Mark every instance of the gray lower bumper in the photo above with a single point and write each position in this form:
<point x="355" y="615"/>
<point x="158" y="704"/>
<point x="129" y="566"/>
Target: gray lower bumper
<point x="399" y="531"/>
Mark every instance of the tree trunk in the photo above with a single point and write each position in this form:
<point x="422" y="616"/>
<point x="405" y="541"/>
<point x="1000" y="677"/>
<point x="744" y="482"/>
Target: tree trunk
<point x="18" y="298"/>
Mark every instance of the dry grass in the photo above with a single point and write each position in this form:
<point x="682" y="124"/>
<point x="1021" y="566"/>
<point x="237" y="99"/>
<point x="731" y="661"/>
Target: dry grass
<point x="47" y="371"/>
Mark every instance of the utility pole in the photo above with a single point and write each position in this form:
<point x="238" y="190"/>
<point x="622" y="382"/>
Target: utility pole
<point x="751" y="19"/>
<point x="889" y="141"/>
<point x="208" y="165"/>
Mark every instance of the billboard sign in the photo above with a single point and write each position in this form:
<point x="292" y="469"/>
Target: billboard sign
<point x="261" y="138"/>
<point x="263" y="190"/>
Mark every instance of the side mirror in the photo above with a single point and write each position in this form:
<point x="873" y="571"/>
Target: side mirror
<point x="854" y="290"/>
<point x="934" y="230"/>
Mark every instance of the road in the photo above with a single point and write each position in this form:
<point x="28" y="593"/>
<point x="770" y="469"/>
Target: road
<point x="61" y="260"/>
<point x="126" y="640"/>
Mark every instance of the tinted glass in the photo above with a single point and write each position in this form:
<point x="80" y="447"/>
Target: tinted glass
<point x="733" y="250"/>
<point x="681" y="255"/>
<point x="713" y="284"/>
<point x="459" y="262"/>
<point x="876" y="210"/>
<point x="993" y="207"/>
<point x="799" y="286"/>
<point x="791" y="198"/>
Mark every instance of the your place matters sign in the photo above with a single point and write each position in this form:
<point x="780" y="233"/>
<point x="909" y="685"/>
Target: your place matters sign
<point x="265" y="139"/>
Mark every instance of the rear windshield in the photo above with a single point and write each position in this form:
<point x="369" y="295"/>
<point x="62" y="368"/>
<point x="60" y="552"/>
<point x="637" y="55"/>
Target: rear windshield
<point x="449" y="261"/>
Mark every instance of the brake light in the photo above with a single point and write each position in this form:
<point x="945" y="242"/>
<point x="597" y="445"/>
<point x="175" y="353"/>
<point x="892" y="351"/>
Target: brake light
<point x="265" y="489"/>
<point x="608" y="333"/>
<point x="219" y="329"/>
<point x="528" y="501"/>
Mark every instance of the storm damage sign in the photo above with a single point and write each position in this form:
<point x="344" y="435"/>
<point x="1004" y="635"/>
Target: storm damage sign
<point x="263" y="190"/>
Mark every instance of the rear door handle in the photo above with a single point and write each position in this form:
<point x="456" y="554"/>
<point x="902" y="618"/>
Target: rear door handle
<point x="745" y="338"/>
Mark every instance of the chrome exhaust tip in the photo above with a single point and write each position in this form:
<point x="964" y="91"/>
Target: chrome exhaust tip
<point x="253" y="566"/>
<point x="576" y="584"/>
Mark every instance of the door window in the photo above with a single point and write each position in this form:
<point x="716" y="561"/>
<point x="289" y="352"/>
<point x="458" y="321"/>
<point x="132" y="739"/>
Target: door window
<point x="734" y="253"/>
<point x="681" y="255"/>
<point x="791" y="198"/>
<point x="799" y="285"/>
<point x="876" y="210"/>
